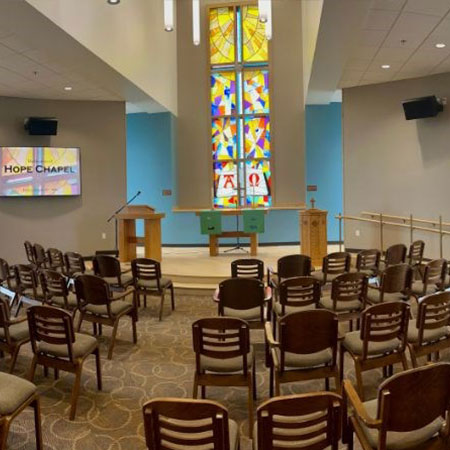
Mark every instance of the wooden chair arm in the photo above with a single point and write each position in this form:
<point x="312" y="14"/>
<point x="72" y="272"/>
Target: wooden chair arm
<point x="129" y="291"/>
<point x="269" y="335"/>
<point x="17" y="320"/>
<point x="358" y="406"/>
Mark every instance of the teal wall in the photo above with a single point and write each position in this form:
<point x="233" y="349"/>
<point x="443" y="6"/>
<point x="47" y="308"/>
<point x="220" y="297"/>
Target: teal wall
<point x="150" y="169"/>
<point x="324" y="165"/>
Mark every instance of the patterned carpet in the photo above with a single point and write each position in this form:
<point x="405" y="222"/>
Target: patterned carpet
<point x="161" y="364"/>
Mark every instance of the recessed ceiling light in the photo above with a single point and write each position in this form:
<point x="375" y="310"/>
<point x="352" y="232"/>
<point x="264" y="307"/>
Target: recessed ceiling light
<point x="68" y="88"/>
<point x="385" y="66"/>
<point x="440" y="45"/>
<point x="113" y="2"/>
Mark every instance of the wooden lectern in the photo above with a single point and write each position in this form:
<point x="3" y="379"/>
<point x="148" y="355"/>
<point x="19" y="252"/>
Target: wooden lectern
<point x="313" y="236"/>
<point x="127" y="232"/>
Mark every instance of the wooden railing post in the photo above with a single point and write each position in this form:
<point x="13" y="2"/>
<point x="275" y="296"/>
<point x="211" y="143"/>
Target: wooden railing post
<point x="411" y="230"/>
<point x="340" y="232"/>
<point x="441" y="238"/>
<point x="381" y="233"/>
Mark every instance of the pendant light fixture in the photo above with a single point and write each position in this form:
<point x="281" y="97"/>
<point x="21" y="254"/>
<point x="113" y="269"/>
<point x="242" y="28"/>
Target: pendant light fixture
<point x="268" y="24"/>
<point x="196" y="21"/>
<point x="263" y="10"/>
<point x="169" y="15"/>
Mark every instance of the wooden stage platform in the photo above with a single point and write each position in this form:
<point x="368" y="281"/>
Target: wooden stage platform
<point x="192" y="269"/>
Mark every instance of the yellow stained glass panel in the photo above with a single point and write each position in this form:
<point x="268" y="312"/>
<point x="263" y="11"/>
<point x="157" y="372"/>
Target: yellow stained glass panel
<point x="254" y="39"/>
<point x="222" y="35"/>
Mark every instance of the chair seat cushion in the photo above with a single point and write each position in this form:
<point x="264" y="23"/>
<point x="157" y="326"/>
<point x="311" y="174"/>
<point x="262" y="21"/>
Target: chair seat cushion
<point x="126" y="279"/>
<point x="290" y="309"/>
<point x="417" y="289"/>
<point x="152" y="284"/>
<point x="306" y="360"/>
<point x="244" y="314"/>
<point x="118" y="307"/>
<point x="28" y="292"/>
<point x="373" y="296"/>
<point x="228" y="365"/>
<point x="354" y="344"/>
<point x="71" y="300"/>
<point x="428" y="335"/>
<point x="341" y="306"/>
<point x="83" y="345"/>
<point x="14" y="391"/>
<point x="319" y="275"/>
<point x="17" y="332"/>
<point x="399" y="440"/>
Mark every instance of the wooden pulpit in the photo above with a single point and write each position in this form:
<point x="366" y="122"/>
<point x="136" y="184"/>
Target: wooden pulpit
<point x="313" y="236"/>
<point x="127" y="232"/>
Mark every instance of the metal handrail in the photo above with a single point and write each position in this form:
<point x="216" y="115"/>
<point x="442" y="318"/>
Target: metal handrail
<point x="405" y="219"/>
<point x="381" y="222"/>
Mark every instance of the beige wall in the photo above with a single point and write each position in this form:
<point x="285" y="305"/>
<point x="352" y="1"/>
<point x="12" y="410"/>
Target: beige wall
<point x="74" y="223"/>
<point x="392" y="165"/>
<point x="130" y="37"/>
<point x="194" y="160"/>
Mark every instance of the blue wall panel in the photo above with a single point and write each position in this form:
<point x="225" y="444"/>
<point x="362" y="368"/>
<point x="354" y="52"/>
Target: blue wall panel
<point x="150" y="169"/>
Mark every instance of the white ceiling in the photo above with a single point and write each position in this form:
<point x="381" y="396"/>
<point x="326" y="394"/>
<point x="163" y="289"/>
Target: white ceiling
<point x="38" y="60"/>
<point x="26" y="71"/>
<point x="402" y="34"/>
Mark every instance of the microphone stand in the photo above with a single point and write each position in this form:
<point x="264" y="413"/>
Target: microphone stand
<point x="113" y="216"/>
<point x="238" y="245"/>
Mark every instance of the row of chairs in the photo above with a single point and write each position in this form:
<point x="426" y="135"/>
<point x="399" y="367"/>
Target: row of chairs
<point x="412" y="410"/>
<point x="395" y="419"/>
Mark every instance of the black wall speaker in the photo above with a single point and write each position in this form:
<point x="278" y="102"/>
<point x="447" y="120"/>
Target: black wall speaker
<point x="41" y="126"/>
<point x="420" y="108"/>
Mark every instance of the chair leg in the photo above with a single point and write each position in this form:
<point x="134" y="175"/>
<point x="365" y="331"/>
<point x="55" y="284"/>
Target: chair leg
<point x="37" y="423"/>
<point x="251" y="381"/>
<point x="98" y="365"/>
<point x="327" y="384"/>
<point x="4" y="430"/>
<point x="277" y="384"/>
<point x="341" y="362"/>
<point x="359" y="380"/>
<point x="195" y="388"/>
<point x="94" y="328"/>
<point x="14" y="355"/>
<point x="145" y="300"/>
<point x="172" y="297"/>
<point x="32" y="368"/>
<point x="271" y="381"/>
<point x="75" y="392"/>
<point x="413" y="356"/>
<point x="203" y="391"/>
<point x="404" y="361"/>
<point x="56" y="373"/>
<point x="161" y="307"/>
<point x="133" y="326"/>
<point x="45" y="371"/>
<point x="254" y="380"/>
<point x="113" y="339"/>
<point x="80" y="321"/>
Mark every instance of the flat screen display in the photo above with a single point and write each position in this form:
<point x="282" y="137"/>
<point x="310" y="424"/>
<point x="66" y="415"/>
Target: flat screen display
<point x="40" y="171"/>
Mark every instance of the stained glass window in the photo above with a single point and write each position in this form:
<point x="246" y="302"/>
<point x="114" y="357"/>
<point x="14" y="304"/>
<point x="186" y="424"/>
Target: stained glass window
<point x="223" y="93"/>
<point x="222" y="25"/>
<point x="240" y="108"/>
<point x="224" y="138"/>
<point x="256" y="92"/>
<point x="254" y="40"/>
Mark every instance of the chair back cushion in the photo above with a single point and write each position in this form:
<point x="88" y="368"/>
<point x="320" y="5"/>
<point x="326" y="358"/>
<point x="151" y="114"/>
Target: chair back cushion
<point x="300" y="421"/>
<point x="241" y="294"/>
<point x="247" y="268"/>
<point x="412" y="399"/>
<point x="185" y="423"/>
